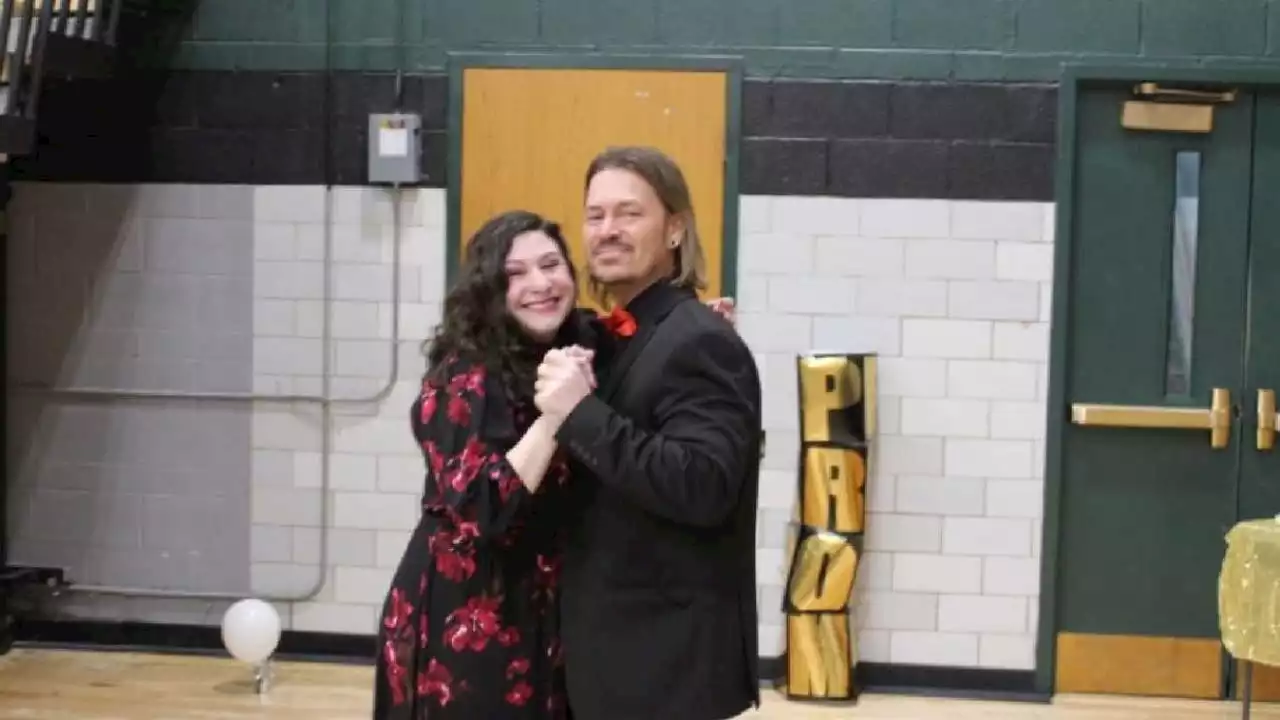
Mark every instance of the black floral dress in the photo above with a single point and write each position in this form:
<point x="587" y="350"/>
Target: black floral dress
<point x="469" y="628"/>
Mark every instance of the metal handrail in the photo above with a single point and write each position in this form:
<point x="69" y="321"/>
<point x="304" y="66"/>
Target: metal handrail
<point x="23" y="66"/>
<point x="6" y="19"/>
<point x="93" y="20"/>
<point x="37" y="61"/>
<point x="325" y="401"/>
<point x="13" y="64"/>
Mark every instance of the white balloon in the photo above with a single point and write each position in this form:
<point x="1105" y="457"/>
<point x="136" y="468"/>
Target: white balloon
<point x="251" y="631"/>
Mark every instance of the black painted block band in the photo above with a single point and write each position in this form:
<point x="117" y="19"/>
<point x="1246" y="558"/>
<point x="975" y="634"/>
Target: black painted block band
<point x="976" y="141"/>
<point x="982" y="141"/>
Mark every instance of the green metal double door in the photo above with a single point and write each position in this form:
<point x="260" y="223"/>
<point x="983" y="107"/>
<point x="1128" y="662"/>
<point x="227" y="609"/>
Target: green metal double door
<point x="1166" y="363"/>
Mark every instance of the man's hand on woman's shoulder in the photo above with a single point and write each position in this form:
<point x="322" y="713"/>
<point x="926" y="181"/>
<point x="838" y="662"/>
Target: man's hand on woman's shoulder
<point x="725" y="307"/>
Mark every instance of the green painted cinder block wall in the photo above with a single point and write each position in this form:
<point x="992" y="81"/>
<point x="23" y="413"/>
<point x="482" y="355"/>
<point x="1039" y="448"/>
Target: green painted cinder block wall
<point x="892" y="39"/>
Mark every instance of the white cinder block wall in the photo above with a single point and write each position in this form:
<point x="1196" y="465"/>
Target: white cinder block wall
<point x="953" y="295"/>
<point x="375" y="467"/>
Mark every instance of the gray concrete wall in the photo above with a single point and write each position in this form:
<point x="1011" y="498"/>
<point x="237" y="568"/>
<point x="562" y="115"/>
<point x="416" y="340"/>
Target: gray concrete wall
<point x="128" y="287"/>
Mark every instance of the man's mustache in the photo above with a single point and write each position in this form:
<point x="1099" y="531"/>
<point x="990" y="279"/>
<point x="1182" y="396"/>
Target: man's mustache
<point x="610" y="243"/>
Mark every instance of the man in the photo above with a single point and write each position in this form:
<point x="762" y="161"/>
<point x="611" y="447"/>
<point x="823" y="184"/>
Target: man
<point x="658" y="605"/>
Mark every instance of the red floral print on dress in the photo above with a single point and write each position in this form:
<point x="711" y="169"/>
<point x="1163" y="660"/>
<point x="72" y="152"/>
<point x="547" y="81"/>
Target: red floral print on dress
<point x="399" y="613"/>
<point x="398" y="624"/>
<point x="435" y="458"/>
<point x="428" y="408"/>
<point x="508" y="482"/>
<point x="436" y="681"/>
<point x="492" y="650"/>
<point x="459" y="411"/>
<point x="546" y="577"/>
<point x="518" y="666"/>
<point x="470" y="381"/>
<point x="454" y="554"/>
<point x="473" y="625"/>
<point x="519" y="693"/>
<point x="460" y="470"/>
<point x="395" y="666"/>
<point x="509" y="636"/>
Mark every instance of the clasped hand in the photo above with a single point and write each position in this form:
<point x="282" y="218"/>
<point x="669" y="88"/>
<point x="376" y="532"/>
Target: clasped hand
<point x="565" y="377"/>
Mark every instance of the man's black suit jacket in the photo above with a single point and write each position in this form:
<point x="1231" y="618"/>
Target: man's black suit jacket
<point x="658" y="602"/>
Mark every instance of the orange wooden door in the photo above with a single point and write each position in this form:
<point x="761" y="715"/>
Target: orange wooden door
<point x="528" y="135"/>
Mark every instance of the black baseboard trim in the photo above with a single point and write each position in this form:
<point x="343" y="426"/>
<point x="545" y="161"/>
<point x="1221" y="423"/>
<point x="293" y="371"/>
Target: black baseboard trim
<point x="952" y="682"/>
<point x="881" y="678"/>
<point x="187" y="639"/>
<point x="928" y="681"/>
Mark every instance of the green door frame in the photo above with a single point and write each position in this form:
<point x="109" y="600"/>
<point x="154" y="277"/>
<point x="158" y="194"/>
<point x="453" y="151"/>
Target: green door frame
<point x="732" y="66"/>
<point x="1073" y="76"/>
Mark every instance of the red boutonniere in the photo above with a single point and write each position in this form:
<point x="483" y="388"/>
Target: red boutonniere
<point x="620" y="322"/>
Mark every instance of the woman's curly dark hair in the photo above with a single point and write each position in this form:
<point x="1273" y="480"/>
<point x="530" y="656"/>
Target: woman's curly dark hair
<point x="476" y="327"/>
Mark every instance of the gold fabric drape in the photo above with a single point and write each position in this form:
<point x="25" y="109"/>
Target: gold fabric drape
<point x="1249" y="592"/>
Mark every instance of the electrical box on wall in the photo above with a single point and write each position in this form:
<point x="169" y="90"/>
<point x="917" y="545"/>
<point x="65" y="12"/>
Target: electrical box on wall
<point x="395" y="148"/>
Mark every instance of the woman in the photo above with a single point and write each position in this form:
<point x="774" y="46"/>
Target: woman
<point x="469" y="627"/>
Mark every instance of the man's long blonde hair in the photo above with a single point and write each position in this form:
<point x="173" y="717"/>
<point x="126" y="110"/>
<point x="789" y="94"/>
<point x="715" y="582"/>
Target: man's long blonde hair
<point x="668" y="183"/>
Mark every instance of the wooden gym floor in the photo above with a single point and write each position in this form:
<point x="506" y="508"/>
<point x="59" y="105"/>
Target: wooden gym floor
<point x="75" y="685"/>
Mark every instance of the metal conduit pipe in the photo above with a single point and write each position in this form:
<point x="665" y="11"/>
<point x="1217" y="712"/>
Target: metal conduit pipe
<point x="393" y="373"/>
<point x="325" y="428"/>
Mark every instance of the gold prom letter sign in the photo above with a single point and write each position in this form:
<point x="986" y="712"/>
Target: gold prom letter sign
<point x="837" y="427"/>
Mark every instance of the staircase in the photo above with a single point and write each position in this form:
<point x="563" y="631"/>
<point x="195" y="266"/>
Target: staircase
<point x="62" y="40"/>
<point x="58" y="38"/>
<point x="43" y="39"/>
